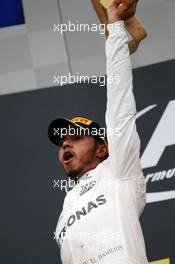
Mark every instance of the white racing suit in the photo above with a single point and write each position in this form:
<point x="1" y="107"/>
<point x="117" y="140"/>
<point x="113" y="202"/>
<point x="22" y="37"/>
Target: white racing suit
<point x="99" y="222"/>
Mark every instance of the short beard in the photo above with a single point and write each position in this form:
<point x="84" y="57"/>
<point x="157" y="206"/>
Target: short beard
<point x="77" y="173"/>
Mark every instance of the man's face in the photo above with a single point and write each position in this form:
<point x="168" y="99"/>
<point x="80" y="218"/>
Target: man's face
<point x="77" y="154"/>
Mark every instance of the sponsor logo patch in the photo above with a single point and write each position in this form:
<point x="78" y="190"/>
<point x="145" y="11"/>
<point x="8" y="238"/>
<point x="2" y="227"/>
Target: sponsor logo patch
<point x="86" y="187"/>
<point x="77" y="215"/>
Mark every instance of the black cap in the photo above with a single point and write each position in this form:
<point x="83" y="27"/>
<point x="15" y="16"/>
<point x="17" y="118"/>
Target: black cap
<point x="75" y="126"/>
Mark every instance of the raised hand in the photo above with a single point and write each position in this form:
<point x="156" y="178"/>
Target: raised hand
<point x="119" y="11"/>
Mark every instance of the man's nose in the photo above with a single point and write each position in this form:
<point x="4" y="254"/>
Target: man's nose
<point x="67" y="144"/>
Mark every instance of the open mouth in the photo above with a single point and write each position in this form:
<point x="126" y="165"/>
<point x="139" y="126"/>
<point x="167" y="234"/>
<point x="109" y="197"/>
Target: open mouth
<point x="68" y="156"/>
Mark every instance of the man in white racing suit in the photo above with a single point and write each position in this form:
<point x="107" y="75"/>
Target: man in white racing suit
<point x="99" y="222"/>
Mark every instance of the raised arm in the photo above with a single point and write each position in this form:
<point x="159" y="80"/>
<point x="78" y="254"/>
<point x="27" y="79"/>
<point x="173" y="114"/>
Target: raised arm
<point x="123" y="140"/>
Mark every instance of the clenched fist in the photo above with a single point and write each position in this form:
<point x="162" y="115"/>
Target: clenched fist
<point x="118" y="11"/>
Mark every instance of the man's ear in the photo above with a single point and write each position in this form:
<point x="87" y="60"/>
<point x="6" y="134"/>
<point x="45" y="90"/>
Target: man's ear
<point x="102" y="151"/>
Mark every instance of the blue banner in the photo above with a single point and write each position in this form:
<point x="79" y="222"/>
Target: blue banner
<point x="11" y="13"/>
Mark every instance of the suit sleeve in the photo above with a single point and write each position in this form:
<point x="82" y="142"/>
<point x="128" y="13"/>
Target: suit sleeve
<point x="123" y="140"/>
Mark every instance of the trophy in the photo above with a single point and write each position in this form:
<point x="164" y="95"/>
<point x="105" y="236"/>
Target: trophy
<point x="133" y="26"/>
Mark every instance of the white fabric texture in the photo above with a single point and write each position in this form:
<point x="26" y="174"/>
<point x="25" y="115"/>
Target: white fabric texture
<point x="99" y="222"/>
